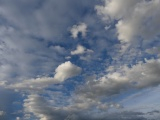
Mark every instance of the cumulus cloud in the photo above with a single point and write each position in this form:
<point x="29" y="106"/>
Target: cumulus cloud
<point x="134" y="18"/>
<point x="76" y="29"/>
<point x="81" y="50"/>
<point x="64" y="71"/>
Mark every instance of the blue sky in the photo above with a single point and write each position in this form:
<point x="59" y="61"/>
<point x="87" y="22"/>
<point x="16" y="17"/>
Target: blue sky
<point x="79" y="60"/>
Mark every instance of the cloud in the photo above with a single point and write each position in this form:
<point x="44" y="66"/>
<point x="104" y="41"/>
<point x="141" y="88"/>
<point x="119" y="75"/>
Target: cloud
<point x="141" y="75"/>
<point x="3" y="83"/>
<point x="33" y="57"/>
<point x="64" y="71"/>
<point x="81" y="50"/>
<point x="76" y="29"/>
<point x="23" y="57"/>
<point x="25" y="46"/>
<point x="145" y="74"/>
<point x="17" y="118"/>
<point x="134" y="18"/>
<point x="33" y="84"/>
<point x="2" y="113"/>
<point x="46" y="20"/>
<point x="34" y="103"/>
<point x="153" y="51"/>
<point x="58" y="49"/>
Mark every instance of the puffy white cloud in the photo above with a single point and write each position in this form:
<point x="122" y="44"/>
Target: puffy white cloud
<point x="76" y="29"/>
<point x="66" y="70"/>
<point x="81" y="50"/>
<point x="138" y="18"/>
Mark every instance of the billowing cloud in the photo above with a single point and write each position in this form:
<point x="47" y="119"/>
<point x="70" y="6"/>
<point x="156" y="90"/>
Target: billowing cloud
<point x="66" y="70"/>
<point x="76" y="29"/>
<point x="134" y="18"/>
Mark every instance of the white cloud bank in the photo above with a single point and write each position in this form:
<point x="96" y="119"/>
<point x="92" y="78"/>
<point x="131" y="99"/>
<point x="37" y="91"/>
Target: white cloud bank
<point x="136" y="18"/>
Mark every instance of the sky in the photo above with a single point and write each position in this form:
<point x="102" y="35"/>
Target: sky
<point x="79" y="59"/>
